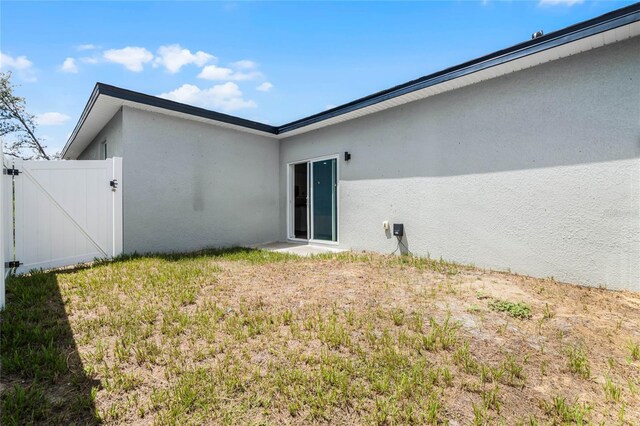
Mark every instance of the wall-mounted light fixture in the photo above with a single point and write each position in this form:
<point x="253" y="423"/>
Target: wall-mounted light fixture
<point x="347" y="156"/>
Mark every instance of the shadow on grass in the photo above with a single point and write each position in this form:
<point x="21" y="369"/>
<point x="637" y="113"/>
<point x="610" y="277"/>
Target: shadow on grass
<point x="43" y="380"/>
<point x="229" y="253"/>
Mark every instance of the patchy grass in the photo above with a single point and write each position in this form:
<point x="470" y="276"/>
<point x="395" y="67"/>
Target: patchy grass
<point x="254" y="337"/>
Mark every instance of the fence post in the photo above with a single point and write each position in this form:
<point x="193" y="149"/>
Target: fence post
<point x="3" y="243"/>
<point x="118" y="232"/>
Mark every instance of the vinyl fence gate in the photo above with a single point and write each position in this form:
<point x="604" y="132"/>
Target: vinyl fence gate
<point x="59" y="213"/>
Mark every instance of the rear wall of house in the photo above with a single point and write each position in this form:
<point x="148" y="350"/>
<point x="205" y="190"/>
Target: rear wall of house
<point x="189" y="185"/>
<point x="537" y="171"/>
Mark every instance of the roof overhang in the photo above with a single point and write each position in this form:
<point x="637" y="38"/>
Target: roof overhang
<point x="106" y="101"/>
<point x="610" y="28"/>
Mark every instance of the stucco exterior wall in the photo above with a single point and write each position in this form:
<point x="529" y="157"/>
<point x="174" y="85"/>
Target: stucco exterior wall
<point x="189" y="185"/>
<point x="537" y="171"/>
<point x="112" y="134"/>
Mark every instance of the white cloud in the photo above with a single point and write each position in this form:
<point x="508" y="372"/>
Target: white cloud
<point x="227" y="96"/>
<point x="264" y="87"/>
<point x="20" y="64"/>
<point x="82" y="47"/>
<point x="52" y="119"/>
<point x="244" y="64"/>
<point x="559" y="2"/>
<point x="132" y="58"/>
<point x="213" y="72"/>
<point x="173" y="57"/>
<point x="69" y="66"/>
<point x="89" y="59"/>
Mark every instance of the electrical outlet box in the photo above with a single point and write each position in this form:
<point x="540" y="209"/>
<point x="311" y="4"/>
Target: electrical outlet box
<point x="398" y="229"/>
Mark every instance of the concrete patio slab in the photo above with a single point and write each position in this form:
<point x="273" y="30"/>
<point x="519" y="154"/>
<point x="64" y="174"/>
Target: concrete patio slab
<point x="300" y="249"/>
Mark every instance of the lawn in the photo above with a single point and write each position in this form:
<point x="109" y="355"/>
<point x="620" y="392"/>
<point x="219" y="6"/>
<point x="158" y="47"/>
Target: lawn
<point x="254" y="337"/>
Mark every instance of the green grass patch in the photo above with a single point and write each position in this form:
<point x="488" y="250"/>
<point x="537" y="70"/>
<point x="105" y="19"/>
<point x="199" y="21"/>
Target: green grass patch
<point x="519" y="310"/>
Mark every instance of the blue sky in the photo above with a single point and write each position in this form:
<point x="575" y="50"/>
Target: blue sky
<point x="270" y="62"/>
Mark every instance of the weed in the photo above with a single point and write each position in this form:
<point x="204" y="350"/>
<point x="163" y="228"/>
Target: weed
<point x="621" y="413"/>
<point x="633" y="387"/>
<point x="578" y="362"/>
<point x="515" y="309"/>
<point x="547" y="313"/>
<point x="491" y="400"/>
<point x="447" y="377"/>
<point x="480" y="415"/>
<point x="432" y="410"/>
<point x="417" y="323"/>
<point x="397" y="315"/>
<point x="334" y="334"/>
<point x="463" y="358"/>
<point x="634" y="350"/>
<point x="559" y="409"/>
<point x="611" y="391"/>
<point x="543" y="367"/>
<point x="473" y="309"/>
<point x="480" y="295"/>
<point x="287" y="317"/>
<point x="513" y="370"/>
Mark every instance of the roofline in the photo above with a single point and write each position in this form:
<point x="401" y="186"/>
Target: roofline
<point x="608" y="21"/>
<point x="154" y="101"/>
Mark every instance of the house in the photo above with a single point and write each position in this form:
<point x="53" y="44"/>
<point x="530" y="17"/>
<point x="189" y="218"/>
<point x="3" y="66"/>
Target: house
<point x="527" y="158"/>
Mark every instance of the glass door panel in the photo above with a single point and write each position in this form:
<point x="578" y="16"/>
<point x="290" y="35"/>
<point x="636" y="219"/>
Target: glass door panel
<point x="300" y="201"/>
<point x="324" y="196"/>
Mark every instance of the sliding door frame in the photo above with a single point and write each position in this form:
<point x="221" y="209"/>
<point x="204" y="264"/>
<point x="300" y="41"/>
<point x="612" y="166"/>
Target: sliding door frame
<point x="291" y="206"/>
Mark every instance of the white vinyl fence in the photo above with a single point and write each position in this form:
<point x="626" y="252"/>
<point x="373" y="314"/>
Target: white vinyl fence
<point x="60" y="213"/>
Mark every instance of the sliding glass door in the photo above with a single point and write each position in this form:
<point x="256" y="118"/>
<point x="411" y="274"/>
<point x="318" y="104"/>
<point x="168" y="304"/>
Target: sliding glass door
<point x="313" y="200"/>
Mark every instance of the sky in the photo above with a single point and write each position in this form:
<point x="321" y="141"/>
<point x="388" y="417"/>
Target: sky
<point x="272" y="62"/>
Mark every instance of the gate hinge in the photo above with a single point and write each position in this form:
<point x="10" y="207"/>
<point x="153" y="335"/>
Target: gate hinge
<point x="11" y="172"/>
<point x="114" y="184"/>
<point x="12" y="264"/>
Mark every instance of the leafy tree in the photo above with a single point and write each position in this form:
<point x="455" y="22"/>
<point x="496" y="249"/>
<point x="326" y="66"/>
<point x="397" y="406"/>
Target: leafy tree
<point x="17" y="123"/>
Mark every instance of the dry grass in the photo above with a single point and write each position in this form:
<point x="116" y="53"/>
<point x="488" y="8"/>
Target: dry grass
<point x="253" y="337"/>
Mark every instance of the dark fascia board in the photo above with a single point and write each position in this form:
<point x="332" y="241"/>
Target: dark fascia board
<point x="141" y="98"/>
<point x="574" y="32"/>
<point x="608" y="21"/>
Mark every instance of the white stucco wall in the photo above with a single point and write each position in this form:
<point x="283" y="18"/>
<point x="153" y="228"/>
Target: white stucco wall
<point x="189" y="185"/>
<point x="537" y="171"/>
<point x="112" y="134"/>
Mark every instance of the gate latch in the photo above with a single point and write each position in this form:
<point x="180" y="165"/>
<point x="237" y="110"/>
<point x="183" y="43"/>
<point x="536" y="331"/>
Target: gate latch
<point x="11" y="172"/>
<point x="114" y="184"/>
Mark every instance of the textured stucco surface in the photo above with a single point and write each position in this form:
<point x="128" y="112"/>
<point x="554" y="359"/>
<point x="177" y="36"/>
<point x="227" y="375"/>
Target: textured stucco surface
<point x="112" y="133"/>
<point x="537" y="171"/>
<point x="189" y="185"/>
